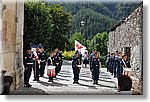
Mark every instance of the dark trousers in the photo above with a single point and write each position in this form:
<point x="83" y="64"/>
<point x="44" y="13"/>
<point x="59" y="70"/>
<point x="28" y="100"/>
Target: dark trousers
<point x="58" y="68"/>
<point x="108" y="67"/>
<point x="76" y="71"/>
<point x="50" y="79"/>
<point x="42" y="68"/>
<point x="117" y="69"/>
<point x="27" y="74"/>
<point x="95" y="73"/>
<point x="36" y="71"/>
<point x="114" y="71"/>
<point x="90" y="66"/>
<point x="120" y="71"/>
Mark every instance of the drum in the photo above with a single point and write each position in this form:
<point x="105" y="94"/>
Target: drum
<point x="51" y="71"/>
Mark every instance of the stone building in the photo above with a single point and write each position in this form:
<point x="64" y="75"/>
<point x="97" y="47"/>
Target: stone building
<point x="127" y="36"/>
<point x="11" y="39"/>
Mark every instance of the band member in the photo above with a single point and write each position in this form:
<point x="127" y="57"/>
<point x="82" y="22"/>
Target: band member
<point x="120" y="71"/>
<point x="112" y="63"/>
<point x="126" y="65"/>
<point x="85" y="61"/>
<point x="50" y="62"/>
<point x="108" y="61"/>
<point x="43" y="58"/>
<point x="117" y="64"/>
<point x="60" y="57"/>
<point x="57" y="62"/>
<point x="28" y="64"/>
<point x="96" y="67"/>
<point x="91" y="58"/>
<point x="36" y="64"/>
<point x="76" y="66"/>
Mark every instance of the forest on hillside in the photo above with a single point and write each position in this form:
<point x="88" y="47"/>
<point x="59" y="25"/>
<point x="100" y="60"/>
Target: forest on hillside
<point x="97" y="16"/>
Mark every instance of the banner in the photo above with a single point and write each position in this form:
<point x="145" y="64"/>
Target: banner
<point x="81" y="48"/>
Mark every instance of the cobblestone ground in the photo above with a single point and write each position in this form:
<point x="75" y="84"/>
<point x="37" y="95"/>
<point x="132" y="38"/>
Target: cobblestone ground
<point x="63" y="84"/>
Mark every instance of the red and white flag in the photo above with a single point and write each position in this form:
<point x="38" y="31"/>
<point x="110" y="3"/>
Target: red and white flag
<point x="81" y="48"/>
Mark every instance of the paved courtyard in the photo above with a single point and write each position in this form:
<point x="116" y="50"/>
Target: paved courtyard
<point x="63" y="84"/>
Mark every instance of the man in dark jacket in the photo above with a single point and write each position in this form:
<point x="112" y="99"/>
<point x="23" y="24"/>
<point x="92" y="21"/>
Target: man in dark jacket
<point x="76" y="66"/>
<point x="28" y="65"/>
<point x="43" y="59"/>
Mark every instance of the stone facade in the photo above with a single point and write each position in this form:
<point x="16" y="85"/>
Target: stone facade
<point x="12" y="18"/>
<point x="129" y="34"/>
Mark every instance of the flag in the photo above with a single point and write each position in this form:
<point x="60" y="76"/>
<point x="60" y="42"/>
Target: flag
<point x="81" y="48"/>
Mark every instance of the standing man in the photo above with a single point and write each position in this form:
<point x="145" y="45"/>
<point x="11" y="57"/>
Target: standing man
<point x="112" y="63"/>
<point x="121" y="64"/>
<point x="28" y="64"/>
<point x="117" y="64"/>
<point x="96" y="67"/>
<point x="43" y="59"/>
<point x="59" y="55"/>
<point x="36" y="64"/>
<point x="91" y="58"/>
<point x="108" y="61"/>
<point x="76" y="66"/>
<point x="56" y="62"/>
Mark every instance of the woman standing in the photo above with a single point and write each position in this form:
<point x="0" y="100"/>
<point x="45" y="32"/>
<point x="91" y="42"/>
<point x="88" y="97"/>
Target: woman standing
<point x="96" y="67"/>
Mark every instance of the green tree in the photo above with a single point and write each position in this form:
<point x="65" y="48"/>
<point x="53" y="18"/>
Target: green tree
<point x="94" y="23"/>
<point x="37" y="23"/>
<point x="99" y="42"/>
<point x="61" y="26"/>
<point x="77" y="36"/>
<point x="46" y="24"/>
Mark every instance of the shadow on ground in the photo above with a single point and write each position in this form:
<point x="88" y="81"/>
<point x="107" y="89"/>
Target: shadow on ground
<point x="51" y="84"/>
<point x="28" y="91"/>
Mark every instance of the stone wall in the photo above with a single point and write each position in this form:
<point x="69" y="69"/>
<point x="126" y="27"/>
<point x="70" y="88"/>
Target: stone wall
<point x="12" y="40"/>
<point x="0" y="42"/>
<point x="129" y="33"/>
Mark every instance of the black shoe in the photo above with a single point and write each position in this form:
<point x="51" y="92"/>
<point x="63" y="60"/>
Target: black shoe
<point x="34" y="80"/>
<point x="37" y="80"/>
<point x="96" y="83"/>
<point x="28" y="85"/>
<point x="75" y="82"/>
<point x="50" y="80"/>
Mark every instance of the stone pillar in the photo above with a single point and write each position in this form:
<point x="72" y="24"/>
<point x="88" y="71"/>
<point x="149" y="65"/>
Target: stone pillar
<point x="19" y="43"/>
<point x="12" y="40"/>
<point x="1" y="42"/>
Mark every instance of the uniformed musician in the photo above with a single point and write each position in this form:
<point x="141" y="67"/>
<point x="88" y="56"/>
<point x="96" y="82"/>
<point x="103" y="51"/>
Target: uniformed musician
<point x="43" y="58"/>
<point x="56" y="62"/>
<point x="60" y="57"/>
<point x="28" y="64"/>
<point x="95" y="68"/>
<point x="76" y="66"/>
<point x="36" y="64"/>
